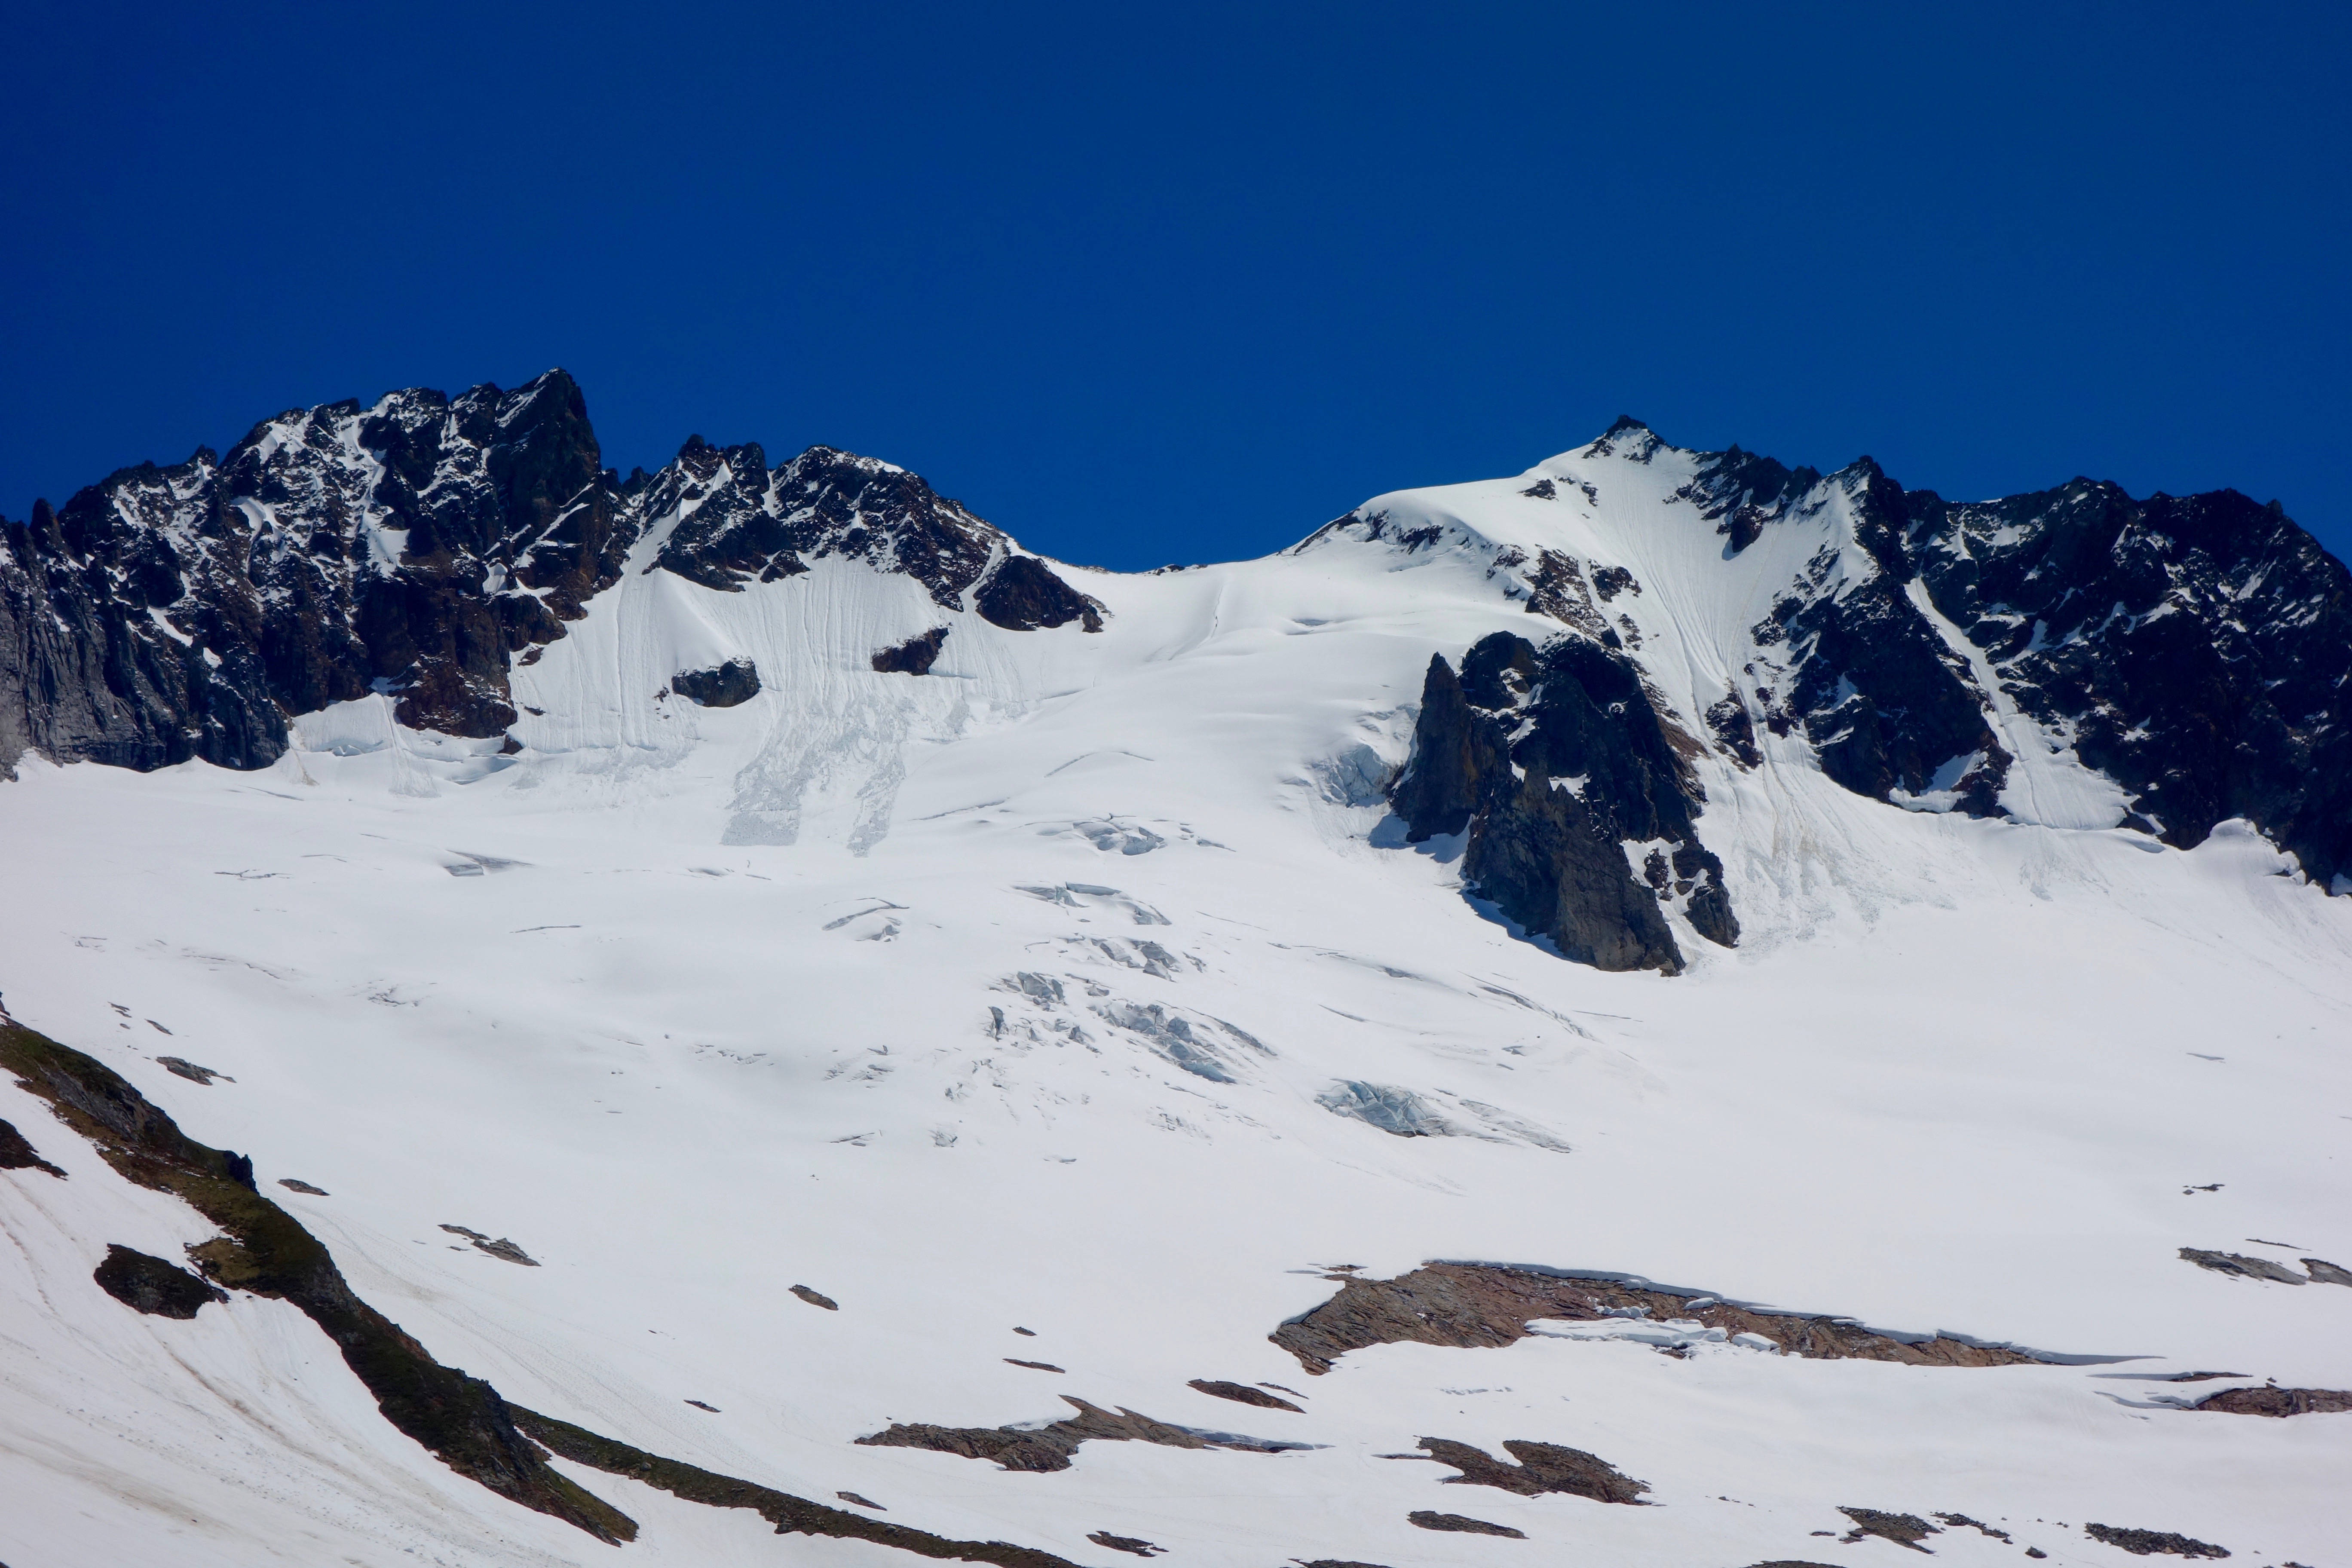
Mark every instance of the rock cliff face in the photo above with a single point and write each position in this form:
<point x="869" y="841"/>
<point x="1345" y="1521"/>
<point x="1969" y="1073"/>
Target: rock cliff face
<point x="2192" y="655"/>
<point x="2196" y="652"/>
<point x="1577" y="797"/>
<point x="420" y="546"/>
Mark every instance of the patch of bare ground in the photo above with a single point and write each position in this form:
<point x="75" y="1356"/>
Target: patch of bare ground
<point x="1490" y="1304"/>
<point x="2276" y="1401"/>
<point x="1041" y="1448"/>
<point x="1243" y="1394"/>
<point x="1429" y="1518"/>
<point x="791" y="1515"/>
<point x="2147" y="1543"/>
<point x="1541" y="1468"/>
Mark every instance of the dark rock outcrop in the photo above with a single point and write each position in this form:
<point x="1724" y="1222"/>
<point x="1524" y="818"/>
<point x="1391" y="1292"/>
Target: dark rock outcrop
<point x="1132" y="1545"/>
<point x="791" y="1515"/>
<point x="1243" y="1394"/>
<point x="153" y="1286"/>
<point x="1022" y="594"/>
<point x="171" y="613"/>
<point x="461" y="1420"/>
<point x="18" y="1154"/>
<point x="2276" y="1401"/>
<point x="420" y="547"/>
<point x="2147" y="1543"/>
<point x="264" y="1249"/>
<point x="1903" y="1528"/>
<point x="2239" y="1266"/>
<point x="1552" y="760"/>
<point x="735" y="682"/>
<point x="2199" y="649"/>
<point x="1049" y="1447"/>
<point x="2195" y="650"/>
<point x="914" y="656"/>
<point x="1541" y="1468"/>
<point x="1488" y="1305"/>
<point x="1429" y="1518"/>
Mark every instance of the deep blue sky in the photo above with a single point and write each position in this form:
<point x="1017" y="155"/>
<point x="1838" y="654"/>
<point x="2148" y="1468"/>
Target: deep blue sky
<point x="1181" y="282"/>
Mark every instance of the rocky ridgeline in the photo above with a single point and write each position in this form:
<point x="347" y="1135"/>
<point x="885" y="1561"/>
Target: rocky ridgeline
<point x="419" y="547"/>
<point x="2197" y="651"/>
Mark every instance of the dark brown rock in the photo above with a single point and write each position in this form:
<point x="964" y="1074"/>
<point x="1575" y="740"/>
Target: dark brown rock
<point x="1962" y="1521"/>
<point x="460" y="1419"/>
<point x="1541" y="1468"/>
<point x="729" y="685"/>
<point x="1903" y="1528"/>
<point x="151" y="1284"/>
<point x="1489" y="1305"/>
<point x="791" y="1515"/>
<point x="914" y="656"/>
<point x="1129" y="1545"/>
<point x="17" y="1154"/>
<point x="2276" y="1401"/>
<point x="1022" y="594"/>
<point x="1552" y="760"/>
<point x="2148" y="1542"/>
<point x="1429" y="1518"/>
<point x="2241" y="1266"/>
<point x="1243" y="1394"/>
<point x="1049" y="1448"/>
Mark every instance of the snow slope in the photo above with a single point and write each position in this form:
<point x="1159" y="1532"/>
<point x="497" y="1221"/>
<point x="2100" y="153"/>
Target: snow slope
<point x="1021" y="992"/>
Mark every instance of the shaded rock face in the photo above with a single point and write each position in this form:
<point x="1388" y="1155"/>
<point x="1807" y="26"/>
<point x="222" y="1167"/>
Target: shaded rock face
<point x="1553" y="761"/>
<point x="18" y="1153"/>
<point x="2199" y="647"/>
<point x="1022" y="594"/>
<point x="2194" y="649"/>
<point x="151" y="1284"/>
<point x="735" y="682"/>
<point x="741" y="522"/>
<point x="914" y="656"/>
<point x="165" y="613"/>
<point x="418" y="547"/>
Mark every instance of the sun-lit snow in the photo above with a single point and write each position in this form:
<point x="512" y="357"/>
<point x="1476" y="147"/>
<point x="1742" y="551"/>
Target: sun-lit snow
<point x="1052" y="989"/>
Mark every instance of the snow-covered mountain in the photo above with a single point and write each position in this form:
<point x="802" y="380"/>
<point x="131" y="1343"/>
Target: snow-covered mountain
<point x="1665" y="1005"/>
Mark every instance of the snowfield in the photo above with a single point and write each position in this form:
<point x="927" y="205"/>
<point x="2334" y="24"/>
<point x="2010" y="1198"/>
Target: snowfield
<point x="1085" y="985"/>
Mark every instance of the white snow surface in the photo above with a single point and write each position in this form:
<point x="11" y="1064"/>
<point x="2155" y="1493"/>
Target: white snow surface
<point x="1024" y="994"/>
